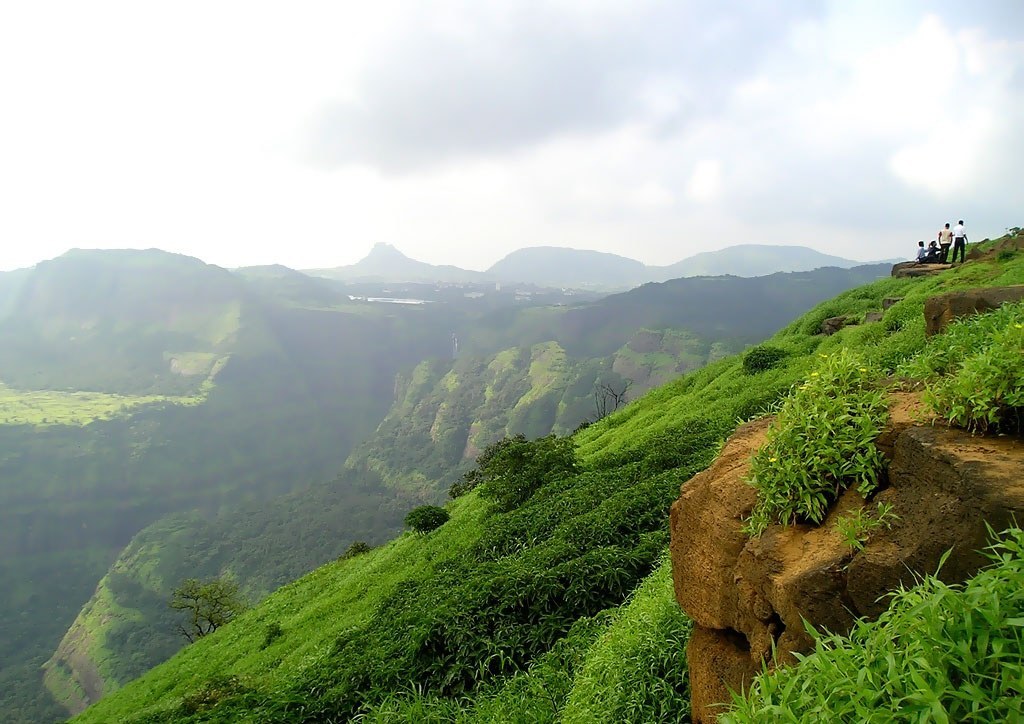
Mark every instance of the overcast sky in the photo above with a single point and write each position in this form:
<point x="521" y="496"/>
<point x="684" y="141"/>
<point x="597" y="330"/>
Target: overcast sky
<point x="301" y="133"/>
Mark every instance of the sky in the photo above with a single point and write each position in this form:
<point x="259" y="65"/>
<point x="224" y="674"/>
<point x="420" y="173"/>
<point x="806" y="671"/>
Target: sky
<point x="302" y="133"/>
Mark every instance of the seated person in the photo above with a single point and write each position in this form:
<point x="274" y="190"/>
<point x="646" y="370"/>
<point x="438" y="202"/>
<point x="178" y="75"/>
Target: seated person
<point x="921" y="252"/>
<point x="934" y="255"/>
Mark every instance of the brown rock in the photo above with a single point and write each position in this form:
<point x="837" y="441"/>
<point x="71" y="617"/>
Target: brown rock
<point x="833" y="324"/>
<point x="889" y="301"/>
<point x="946" y="487"/>
<point x="716" y="660"/>
<point x="707" y="536"/>
<point x="914" y="269"/>
<point x="749" y="597"/>
<point x="873" y="317"/>
<point x="940" y="310"/>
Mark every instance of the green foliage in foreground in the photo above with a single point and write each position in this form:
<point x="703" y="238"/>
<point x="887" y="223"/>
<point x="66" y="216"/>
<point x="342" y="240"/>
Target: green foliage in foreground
<point x="939" y="654"/>
<point x="821" y="442"/>
<point x="975" y="371"/>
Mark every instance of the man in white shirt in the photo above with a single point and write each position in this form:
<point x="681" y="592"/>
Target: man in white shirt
<point x="959" y="241"/>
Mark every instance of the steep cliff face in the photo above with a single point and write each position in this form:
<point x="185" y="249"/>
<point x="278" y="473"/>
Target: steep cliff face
<point x="750" y="596"/>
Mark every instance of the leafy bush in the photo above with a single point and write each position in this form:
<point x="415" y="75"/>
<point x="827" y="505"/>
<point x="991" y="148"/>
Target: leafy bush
<point x="358" y="548"/>
<point x="273" y="633"/>
<point x="515" y="468"/>
<point x="762" y="357"/>
<point x="939" y="654"/>
<point x="975" y="371"/>
<point x="483" y="469"/>
<point x="426" y="518"/>
<point x="821" y="442"/>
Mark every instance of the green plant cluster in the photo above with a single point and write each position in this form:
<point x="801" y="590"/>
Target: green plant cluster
<point x="821" y="442"/>
<point x="974" y="372"/>
<point x="940" y="653"/>
<point x="426" y="518"/>
<point x="762" y="357"/>
<point x="517" y="468"/>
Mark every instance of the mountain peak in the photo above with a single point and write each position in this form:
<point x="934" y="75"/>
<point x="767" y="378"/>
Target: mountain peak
<point x="382" y="251"/>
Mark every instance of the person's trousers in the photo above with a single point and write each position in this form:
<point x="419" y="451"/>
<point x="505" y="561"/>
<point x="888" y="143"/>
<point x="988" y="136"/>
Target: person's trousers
<point x="960" y="245"/>
<point x="944" y="252"/>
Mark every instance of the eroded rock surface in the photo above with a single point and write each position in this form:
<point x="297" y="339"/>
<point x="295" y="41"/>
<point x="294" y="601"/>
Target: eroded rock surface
<point x="746" y="595"/>
<point x="916" y="269"/>
<point x="941" y="310"/>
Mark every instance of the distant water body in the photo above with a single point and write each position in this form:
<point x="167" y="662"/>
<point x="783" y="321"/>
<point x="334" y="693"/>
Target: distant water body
<point x="388" y="300"/>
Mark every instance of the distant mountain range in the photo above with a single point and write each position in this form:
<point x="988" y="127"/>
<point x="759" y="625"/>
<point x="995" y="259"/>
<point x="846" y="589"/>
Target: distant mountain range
<point x="549" y="266"/>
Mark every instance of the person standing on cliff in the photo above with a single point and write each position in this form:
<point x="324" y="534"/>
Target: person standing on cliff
<point x="959" y="241"/>
<point x="945" y="241"/>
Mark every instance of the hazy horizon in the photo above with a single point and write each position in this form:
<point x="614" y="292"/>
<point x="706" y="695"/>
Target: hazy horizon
<point x="466" y="268"/>
<point x="459" y="132"/>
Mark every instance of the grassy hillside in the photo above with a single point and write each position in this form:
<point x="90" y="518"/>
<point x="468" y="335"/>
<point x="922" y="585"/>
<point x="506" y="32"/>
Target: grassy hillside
<point x="544" y="598"/>
<point x="135" y="385"/>
<point x="445" y="414"/>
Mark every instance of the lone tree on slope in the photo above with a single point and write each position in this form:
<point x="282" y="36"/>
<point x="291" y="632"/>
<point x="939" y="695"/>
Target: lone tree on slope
<point x="208" y="605"/>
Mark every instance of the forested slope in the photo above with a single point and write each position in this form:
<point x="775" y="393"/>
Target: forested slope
<point x="445" y="413"/>
<point x="544" y="596"/>
<point x="135" y="385"/>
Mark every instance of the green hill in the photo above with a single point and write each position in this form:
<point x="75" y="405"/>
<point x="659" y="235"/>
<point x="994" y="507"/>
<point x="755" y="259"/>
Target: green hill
<point x="386" y="263"/>
<point x="561" y="267"/>
<point x="545" y="597"/>
<point x="747" y="260"/>
<point x="137" y="385"/>
<point x="132" y="322"/>
<point x="445" y="412"/>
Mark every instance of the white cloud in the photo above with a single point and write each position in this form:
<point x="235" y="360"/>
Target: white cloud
<point x="651" y="129"/>
<point x="950" y="159"/>
<point x="706" y="181"/>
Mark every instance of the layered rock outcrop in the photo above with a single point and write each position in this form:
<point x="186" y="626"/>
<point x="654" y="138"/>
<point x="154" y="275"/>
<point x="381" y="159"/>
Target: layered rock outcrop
<point x="941" y="310"/>
<point x="917" y="269"/>
<point x="750" y="596"/>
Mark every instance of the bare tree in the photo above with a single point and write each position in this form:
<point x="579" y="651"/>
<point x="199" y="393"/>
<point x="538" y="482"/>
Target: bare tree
<point x="208" y="605"/>
<point x="608" y="397"/>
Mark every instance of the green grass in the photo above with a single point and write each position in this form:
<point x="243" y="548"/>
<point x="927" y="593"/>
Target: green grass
<point x="57" y="407"/>
<point x="311" y="613"/>
<point x="52" y="407"/>
<point x="636" y="670"/>
<point x="974" y="374"/>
